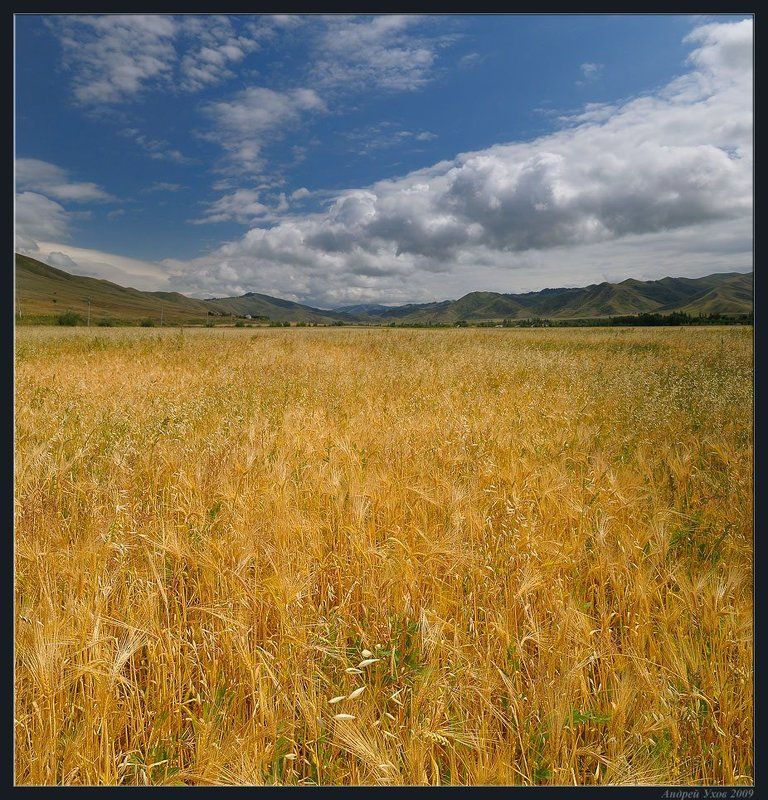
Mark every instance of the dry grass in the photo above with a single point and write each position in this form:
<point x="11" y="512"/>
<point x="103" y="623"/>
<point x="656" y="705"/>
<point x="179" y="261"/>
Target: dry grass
<point x="543" y="539"/>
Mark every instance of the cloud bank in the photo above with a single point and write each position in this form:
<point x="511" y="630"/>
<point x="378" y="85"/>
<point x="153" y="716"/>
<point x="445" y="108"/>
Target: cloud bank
<point x="658" y="184"/>
<point x="671" y="167"/>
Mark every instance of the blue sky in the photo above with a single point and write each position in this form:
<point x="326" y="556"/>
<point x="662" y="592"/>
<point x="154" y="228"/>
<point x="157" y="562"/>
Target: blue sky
<point x="387" y="158"/>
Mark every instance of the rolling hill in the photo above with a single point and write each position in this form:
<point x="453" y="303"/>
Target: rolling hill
<point x="726" y="293"/>
<point x="43" y="292"/>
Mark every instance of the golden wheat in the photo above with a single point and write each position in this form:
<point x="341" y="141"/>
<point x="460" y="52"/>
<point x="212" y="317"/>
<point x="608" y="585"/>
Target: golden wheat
<point x="531" y="549"/>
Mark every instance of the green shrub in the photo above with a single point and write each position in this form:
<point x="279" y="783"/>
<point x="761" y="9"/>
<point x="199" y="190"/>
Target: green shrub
<point x="147" y="323"/>
<point x="69" y="318"/>
<point x="106" y="323"/>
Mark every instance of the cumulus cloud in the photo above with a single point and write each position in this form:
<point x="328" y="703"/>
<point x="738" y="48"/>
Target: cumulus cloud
<point x="673" y="163"/>
<point x="61" y="260"/>
<point x="54" y="181"/>
<point x="724" y="50"/>
<point x="246" y="122"/>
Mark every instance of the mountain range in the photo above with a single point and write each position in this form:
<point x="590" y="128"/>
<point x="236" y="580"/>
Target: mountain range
<point x="43" y="292"/>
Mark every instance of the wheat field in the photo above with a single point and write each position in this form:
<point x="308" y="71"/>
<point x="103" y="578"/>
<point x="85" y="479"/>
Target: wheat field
<point x="379" y="556"/>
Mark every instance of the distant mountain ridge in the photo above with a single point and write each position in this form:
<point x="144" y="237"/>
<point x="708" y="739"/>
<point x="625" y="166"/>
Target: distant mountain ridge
<point x="364" y="308"/>
<point x="725" y="293"/>
<point x="43" y="291"/>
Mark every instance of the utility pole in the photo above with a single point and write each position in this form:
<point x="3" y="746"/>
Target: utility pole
<point x="162" y="309"/>
<point x="89" y="313"/>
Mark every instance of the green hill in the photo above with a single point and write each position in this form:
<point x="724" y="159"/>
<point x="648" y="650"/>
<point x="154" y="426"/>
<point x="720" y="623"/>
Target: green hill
<point x="43" y="292"/>
<point x="275" y="308"/>
<point x="726" y="293"/>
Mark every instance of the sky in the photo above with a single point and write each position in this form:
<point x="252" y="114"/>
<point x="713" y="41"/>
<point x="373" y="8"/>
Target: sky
<point x="336" y="160"/>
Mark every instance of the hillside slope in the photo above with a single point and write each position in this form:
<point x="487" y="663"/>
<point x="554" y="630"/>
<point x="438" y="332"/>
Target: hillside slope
<point x="43" y="292"/>
<point x="726" y="293"/>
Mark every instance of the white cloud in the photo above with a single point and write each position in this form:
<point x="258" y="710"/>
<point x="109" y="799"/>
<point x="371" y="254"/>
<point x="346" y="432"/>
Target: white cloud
<point x="215" y="47"/>
<point x="114" y="57"/>
<point x="246" y="206"/>
<point x="144" y="275"/>
<point x="471" y="60"/>
<point x="381" y="51"/>
<point x="54" y="181"/>
<point x="157" y="149"/>
<point x="385" y="135"/>
<point x="58" y="259"/>
<point x="253" y="117"/>
<point x="349" y="54"/>
<point x="723" y="50"/>
<point x="590" y="72"/>
<point x="25" y="244"/>
<point x="661" y="180"/>
<point x="38" y="217"/>
<point x="242" y="206"/>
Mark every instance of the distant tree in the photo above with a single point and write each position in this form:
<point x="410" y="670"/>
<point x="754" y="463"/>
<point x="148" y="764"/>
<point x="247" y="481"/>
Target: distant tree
<point x="69" y="318"/>
<point x="147" y="323"/>
<point x="647" y="319"/>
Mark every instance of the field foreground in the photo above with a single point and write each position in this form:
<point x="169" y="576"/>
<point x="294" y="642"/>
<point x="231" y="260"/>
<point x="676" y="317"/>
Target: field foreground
<point x="526" y="554"/>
